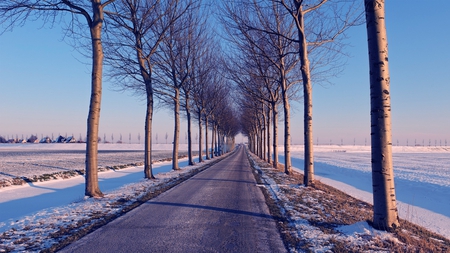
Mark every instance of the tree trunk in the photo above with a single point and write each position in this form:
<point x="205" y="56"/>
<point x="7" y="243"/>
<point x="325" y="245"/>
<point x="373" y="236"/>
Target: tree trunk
<point x="263" y="132"/>
<point x="176" y="134"/>
<point x="91" y="188"/>
<point x="268" y="136"/>
<point x="200" y="152"/>
<point x="213" y="140"/>
<point x="261" y="142"/>
<point x="287" y="134"/>
<point x="307" y="99"/>
<point x="188" y="116"/>
<point x="148" y="172"/>
<point x="206" y="138"/>
<point x="275" y="135"/>
<point x="146" y="76"/>
<point x="385" y="214"/>
<point x="216" y="147"/>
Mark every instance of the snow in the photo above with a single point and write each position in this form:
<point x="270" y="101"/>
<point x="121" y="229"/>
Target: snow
<point x="37" y="209"/>
<point x="422" y="179"/>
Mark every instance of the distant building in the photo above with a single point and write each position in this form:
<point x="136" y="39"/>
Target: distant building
<point x="70" y="139"/>
<point x="46" y="140"/>
<point x="60" y="139"/>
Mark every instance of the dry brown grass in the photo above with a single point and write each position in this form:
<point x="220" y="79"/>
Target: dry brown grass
<point x="327" y="208"/>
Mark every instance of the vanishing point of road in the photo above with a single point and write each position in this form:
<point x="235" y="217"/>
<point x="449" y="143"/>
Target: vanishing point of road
<point x="219" y="210"/>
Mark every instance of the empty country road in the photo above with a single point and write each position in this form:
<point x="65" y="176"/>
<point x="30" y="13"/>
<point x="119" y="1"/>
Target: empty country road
<point x="219" y="210"/>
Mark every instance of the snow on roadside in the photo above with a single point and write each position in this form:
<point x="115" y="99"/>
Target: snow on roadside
<point x="42" y="229"/>
<point x="422" y="178"/>
<point x="355" y="235"/>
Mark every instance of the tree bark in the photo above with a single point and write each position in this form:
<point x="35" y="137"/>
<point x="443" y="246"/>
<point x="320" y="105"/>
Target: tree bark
<point x="91" y="188"/>
<point x="307" y="98"/>
<point x="384" y="199"/>
<point x="275" y="135"/>
<point x="188" y="116"/>
<point x="287" y="120"/>
<point x="200" y="152"/>
<point x="213" y="140"/>
<point x="146" y="76"/>
<point x="148" y="172"/>
<point x="263" y="132"/>
<point x="287" y="134"/>
<point x="176" y="134"/>
<point x="206" y="138"/>
<point x="269" y="160"/>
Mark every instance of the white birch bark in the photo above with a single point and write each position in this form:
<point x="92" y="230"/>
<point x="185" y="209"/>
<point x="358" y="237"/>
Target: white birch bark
<point x="384" y="198"/>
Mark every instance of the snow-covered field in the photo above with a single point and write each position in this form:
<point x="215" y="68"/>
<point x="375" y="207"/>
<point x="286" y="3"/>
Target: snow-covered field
<point x="422" y="180"/>
<point x="28" y="160"/>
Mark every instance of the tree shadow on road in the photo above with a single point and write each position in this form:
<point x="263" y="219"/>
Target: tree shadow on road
<point x="218" y="209"/>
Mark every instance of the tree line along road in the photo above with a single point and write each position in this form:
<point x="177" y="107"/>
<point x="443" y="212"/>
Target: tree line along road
<point x="219" y="210"/>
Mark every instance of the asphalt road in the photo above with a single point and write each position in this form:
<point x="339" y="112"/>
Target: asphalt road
<point x="219" y="210"/>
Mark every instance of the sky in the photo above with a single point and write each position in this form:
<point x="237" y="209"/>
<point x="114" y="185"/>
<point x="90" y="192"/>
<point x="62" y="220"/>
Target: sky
<point x="45" y="86"/>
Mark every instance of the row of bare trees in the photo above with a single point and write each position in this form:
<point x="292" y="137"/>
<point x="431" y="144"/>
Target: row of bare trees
<point x="280" y="48"/>
<point x="162" y="50"/>
<point x="165" y="51"/>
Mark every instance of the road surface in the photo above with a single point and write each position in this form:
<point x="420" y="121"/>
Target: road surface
<point x="219" y="210"/>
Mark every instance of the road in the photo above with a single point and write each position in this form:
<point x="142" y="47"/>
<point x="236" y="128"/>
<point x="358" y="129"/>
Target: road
<point x="219" y="210"/>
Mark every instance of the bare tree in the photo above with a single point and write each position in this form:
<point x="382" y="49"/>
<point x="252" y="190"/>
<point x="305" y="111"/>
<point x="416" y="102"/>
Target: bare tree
<point x="385" y="214"/>
<point x="198" y="47"/>
<point x="204" y="79"/>
<point x="264" y="31"/>
<point x="312" y="33"/>
<point x="14" y="13"/>
<point x="175" y="66"/>
<point x="138" y="27"/>
<point x="203" y="76"/>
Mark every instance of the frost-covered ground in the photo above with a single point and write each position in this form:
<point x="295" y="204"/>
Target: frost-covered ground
<point x="35" y="212"/>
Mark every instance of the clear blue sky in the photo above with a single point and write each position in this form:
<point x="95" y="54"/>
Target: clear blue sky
<point x="45" y="86"/>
